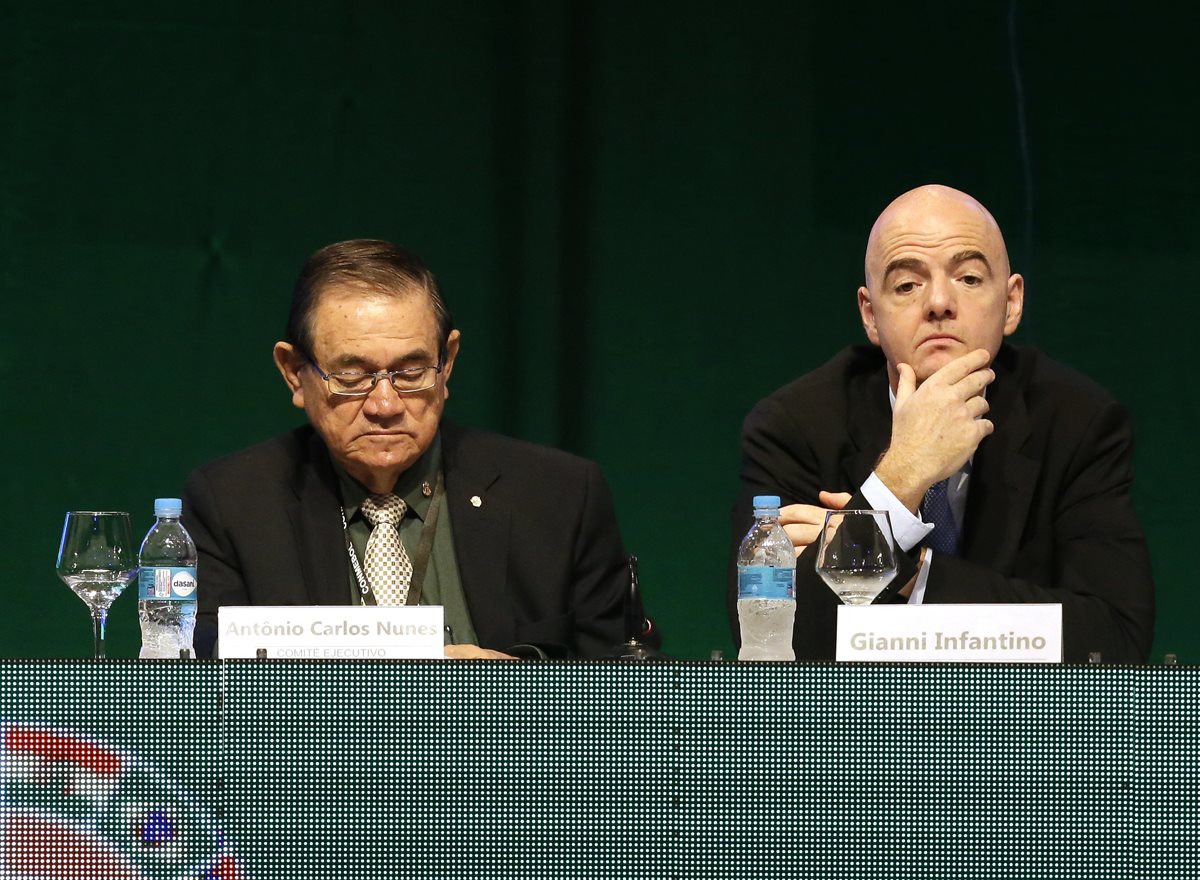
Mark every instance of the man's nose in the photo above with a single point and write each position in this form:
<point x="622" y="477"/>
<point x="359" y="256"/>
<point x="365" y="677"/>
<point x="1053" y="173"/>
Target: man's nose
<point x="941" y="300"/>
<point x="383" y="400"/>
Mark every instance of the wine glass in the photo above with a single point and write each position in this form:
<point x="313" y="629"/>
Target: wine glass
<point x="857" y="554"/>
<point x="97" y="559"/>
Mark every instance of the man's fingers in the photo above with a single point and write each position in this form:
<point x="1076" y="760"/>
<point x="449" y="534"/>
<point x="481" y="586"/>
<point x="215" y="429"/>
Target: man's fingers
<point x="984" y="378"/>
<point x="473" y="652"/>
<point x="834" y="500"/>
<point x="802" y="514"/>
<point x="803" y="535"/>
<point x="977" y="407"/>
<point x="961" y="367"/>
<point x="803" y="522"/>
<point x="812" y="514"/>
<point x="906" y="384"/>
<point x="972" y="384"/>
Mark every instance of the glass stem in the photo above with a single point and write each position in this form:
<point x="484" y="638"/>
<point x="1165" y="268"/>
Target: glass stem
<point x="99" y="618"/>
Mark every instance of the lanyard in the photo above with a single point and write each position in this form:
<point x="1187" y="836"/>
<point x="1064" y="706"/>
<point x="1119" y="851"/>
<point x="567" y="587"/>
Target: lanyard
<point x="420" y="562"/>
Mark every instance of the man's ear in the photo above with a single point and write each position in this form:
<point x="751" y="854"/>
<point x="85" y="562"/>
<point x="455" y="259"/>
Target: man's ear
<point x="867" y="311"/>
<point x="452" y="343"/>
<point x="1014" y="307"/>
<point x="290" y="362"/>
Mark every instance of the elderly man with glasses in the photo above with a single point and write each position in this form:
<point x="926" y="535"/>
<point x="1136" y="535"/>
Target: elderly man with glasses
<point x="378" y="500"/>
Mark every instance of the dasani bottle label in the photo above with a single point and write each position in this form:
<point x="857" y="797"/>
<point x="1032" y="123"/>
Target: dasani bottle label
<point x="167" y="584"/>
<point x="766" y="582"/>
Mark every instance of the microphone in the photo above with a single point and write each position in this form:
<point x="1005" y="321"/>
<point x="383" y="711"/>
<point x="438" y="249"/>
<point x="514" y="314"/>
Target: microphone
<point x="640" y="631"/>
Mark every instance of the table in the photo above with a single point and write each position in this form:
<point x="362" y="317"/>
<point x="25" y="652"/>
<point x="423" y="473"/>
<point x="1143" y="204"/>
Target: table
<point x="677" y="770"/>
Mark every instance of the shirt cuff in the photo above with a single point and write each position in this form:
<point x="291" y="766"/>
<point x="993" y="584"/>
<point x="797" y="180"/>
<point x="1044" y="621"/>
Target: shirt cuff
<point x="907" y="529"/>
<point x="917" y="596"/>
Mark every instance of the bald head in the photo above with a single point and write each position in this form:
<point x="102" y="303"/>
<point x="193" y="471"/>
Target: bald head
<point x="938" y="282"/>
<point x="920" y="213"/>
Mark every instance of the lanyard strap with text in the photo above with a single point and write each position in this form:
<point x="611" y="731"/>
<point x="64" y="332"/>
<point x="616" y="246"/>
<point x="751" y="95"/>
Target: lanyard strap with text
<point x="420" y="562"/>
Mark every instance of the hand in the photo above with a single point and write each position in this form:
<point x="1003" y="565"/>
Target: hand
<point x="937" y="427"/>
<point x="474" y="652"/>
<point x="803" y="522"/>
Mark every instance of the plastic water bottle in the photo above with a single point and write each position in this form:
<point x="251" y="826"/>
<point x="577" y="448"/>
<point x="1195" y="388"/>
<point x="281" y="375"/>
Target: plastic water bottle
<point x="766" y="604"/>
<point x="167" y="584"/>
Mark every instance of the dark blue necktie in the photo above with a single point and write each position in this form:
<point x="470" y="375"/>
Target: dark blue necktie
<point x="936" y="509"/>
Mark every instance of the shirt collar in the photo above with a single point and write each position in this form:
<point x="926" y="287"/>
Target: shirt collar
<point x="410" y="485"/>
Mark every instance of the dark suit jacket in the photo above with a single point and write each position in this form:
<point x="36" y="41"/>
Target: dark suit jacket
<point x="1048" y="515"/>
<point x="541" y="559"/>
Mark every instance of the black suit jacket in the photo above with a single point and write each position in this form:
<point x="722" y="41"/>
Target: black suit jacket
<point x="1048" y="515"/>
<point x="541" y="558"/>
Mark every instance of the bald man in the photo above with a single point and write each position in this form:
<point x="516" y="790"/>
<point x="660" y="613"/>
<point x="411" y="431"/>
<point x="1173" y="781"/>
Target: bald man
<point x="1033" y="461"/>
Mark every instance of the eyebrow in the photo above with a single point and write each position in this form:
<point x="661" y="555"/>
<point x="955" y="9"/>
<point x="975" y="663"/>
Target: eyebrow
<point x="913" y="264"/>
<point x="910" y="263"/>
<point x="966" y="256"/>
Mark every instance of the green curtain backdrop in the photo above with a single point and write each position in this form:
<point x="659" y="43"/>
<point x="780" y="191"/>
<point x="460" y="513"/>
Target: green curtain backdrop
<point x="645" y="217"/>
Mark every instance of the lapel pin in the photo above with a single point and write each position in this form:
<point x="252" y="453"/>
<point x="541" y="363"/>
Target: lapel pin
<point x="426" y="489"/>
<point x="476" y="501"/>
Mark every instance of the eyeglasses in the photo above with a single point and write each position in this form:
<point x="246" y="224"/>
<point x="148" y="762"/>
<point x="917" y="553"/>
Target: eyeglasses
<point x="359" y="384"/>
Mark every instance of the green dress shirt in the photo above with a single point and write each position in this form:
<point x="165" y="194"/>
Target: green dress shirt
<point x="442" y="584"/>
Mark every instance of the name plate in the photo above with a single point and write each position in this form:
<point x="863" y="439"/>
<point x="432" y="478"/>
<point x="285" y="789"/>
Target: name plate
<point x="1015" y="633"/>
<point x="331" y="632"/>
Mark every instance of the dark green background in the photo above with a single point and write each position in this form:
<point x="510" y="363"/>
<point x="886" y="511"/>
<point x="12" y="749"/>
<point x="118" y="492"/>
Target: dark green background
<point x="645" y="217"/>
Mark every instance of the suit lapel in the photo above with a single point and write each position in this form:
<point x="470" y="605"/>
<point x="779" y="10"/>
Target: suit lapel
<point x="480" y="521"/>
<point x="1002" y="475"/>
<point x="320" y="539"/>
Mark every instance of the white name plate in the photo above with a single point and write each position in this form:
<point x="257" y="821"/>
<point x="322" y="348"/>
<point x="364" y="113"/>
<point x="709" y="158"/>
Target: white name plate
<point x="1016" y="633"/>
<point x="331" y="632"/>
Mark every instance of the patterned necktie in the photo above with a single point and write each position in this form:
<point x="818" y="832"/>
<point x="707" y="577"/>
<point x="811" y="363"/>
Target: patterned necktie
<point x="388" y="568"/>
<point x="936" y="509"/>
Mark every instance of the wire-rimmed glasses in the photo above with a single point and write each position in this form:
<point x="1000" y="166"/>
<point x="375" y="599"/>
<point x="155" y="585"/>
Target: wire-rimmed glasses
<point x="359" y="383"/>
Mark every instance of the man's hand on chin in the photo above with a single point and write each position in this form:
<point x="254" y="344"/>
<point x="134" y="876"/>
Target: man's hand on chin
<point x="474" y="652"/>
<point x="936" y="427"/>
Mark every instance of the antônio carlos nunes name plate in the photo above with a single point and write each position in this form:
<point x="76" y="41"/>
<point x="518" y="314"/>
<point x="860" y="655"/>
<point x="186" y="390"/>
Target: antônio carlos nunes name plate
<point x="1016" y="633"/>
<point x="331" y="632"/>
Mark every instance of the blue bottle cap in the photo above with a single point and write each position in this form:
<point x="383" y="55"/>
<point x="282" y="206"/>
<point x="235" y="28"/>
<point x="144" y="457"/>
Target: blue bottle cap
<point x="762" y="502"/>
<point x="168" y="506"/>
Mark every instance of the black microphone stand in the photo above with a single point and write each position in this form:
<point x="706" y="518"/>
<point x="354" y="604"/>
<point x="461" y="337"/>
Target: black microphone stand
<point x="636" y="624"/>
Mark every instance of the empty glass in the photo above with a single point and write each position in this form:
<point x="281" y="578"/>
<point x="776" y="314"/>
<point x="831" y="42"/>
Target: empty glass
<point x="97" y="559"/>
<point x="857" y="555"/>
